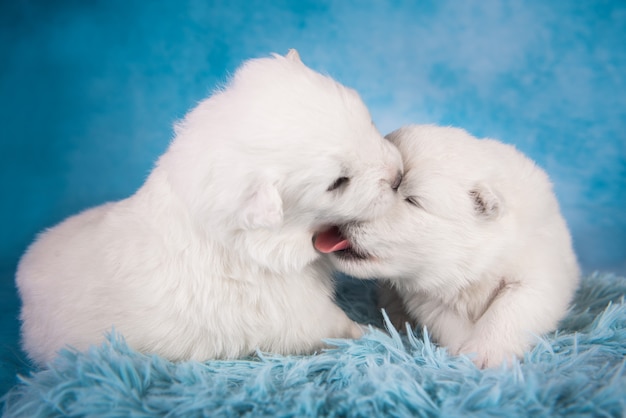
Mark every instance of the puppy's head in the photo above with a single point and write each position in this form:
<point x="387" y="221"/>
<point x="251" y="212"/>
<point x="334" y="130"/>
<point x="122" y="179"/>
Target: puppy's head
<point x="450" y="220"/>
<point x="281" y="153"/>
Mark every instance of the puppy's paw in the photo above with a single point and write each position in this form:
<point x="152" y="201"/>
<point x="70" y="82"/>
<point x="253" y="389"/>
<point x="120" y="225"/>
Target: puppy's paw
<point x="489" y="355"/>
<point x="357" y="330"/>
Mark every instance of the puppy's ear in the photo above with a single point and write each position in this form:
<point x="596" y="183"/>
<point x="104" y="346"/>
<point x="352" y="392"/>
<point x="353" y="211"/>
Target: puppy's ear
<point x="486" y="202"/>
<point x="293" y="55"/>
<point x="262" y="207"/>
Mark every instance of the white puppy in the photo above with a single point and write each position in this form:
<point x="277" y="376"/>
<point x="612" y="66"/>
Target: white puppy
<point x="475" y="245"/>
<point x="213" y="257"/>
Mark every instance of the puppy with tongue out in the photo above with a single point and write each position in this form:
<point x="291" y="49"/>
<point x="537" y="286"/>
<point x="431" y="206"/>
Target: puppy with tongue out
<point x="213" y="257"/>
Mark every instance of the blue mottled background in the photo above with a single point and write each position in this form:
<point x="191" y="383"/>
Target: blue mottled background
<point x="90" y="89"/>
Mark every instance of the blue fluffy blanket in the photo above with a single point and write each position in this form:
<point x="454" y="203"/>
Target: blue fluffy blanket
<point x="577" y="371"/>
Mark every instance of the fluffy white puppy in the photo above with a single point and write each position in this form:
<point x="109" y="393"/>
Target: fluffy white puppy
<point x="213" y="256"/>
<point x="475" y="245"/>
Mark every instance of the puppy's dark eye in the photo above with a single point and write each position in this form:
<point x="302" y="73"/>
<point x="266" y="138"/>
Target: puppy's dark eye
<point x="340" y="182"/>
<point x="414" y="201"/>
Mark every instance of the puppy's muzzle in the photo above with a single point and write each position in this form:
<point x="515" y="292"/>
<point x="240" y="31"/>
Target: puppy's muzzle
<point x="397" y="181"/>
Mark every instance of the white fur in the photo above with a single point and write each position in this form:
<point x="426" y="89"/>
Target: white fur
<point x="212" y="257"/>
<point x="474" y="246"/>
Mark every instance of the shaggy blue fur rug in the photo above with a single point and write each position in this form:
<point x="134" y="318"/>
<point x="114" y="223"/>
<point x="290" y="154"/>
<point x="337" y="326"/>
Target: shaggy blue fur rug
<point x="577" y="371"/>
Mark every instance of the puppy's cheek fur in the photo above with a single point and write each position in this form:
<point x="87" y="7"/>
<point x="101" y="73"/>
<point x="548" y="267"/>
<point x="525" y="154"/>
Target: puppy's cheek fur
<point x="282" y="251"/>
<point x="263" y="208"/>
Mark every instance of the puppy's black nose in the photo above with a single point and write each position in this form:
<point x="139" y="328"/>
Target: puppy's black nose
<point x="397" y="181"/>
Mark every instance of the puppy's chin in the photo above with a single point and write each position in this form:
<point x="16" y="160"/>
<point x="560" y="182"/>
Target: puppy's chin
<point x="356" y="264"/>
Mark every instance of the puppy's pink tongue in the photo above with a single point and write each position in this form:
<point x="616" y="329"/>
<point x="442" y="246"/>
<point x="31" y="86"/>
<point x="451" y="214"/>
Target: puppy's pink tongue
<point x="330" y="241"/>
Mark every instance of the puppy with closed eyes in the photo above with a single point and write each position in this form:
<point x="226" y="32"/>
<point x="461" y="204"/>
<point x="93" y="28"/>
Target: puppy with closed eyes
<point x="213" y="256"/>
<point x="474" y="246"/>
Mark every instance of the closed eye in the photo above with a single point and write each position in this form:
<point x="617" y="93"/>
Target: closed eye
<point x="340" y="182"/>
<point x="413" y="200"/>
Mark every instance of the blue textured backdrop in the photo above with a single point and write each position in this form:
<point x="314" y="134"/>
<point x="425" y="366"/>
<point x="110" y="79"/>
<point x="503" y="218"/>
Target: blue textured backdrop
<point x="89" y="91"/>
